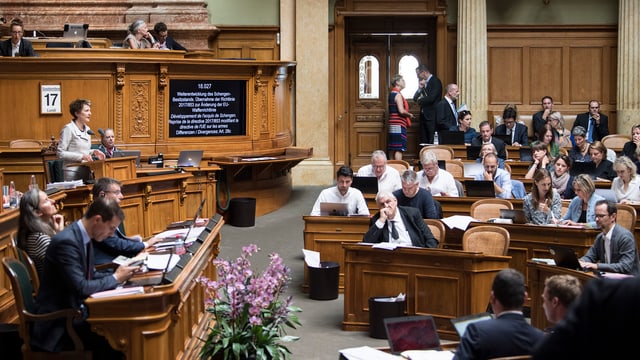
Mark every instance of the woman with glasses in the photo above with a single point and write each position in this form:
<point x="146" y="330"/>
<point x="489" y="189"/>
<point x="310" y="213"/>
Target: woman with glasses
<point x="16" y="45"/>
<point x="39" y="221"/>
<point x="562" y="135"/>
<point x="464" y="117"/>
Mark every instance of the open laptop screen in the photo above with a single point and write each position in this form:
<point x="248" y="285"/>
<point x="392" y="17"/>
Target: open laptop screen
<point x="412" y="333"/>
<point x="461" y="323"/>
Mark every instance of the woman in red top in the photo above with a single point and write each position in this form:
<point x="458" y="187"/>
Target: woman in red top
<point x="399" y="119"/>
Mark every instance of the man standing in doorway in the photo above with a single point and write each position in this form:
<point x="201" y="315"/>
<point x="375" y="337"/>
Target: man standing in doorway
<point x="427" y="96"/>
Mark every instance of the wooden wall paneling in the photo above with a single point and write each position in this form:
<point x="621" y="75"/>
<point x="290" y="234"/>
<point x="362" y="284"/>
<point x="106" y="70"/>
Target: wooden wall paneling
<point x="255" y="42"/>
<point x="545" y="74"/>
<point x="506" y="61"/>
<point x="585" y="75"/>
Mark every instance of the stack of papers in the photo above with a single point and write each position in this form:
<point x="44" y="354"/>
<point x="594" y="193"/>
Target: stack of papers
<point x="119" y="292"/>
<point x="65" y="184"/>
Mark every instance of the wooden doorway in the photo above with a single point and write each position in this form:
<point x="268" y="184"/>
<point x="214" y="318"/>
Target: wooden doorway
<point x="377" y="49"/>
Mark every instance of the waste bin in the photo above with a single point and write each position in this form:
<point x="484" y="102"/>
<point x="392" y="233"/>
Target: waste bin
<point x="242" y="212"/>
<point x="10" y="341"/>
<point x="324" y="281"/>
<point x="381" y="308"/>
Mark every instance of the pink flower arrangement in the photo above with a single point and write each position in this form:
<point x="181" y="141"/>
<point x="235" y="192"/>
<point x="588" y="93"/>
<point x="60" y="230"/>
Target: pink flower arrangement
<point x="250" y="318"/>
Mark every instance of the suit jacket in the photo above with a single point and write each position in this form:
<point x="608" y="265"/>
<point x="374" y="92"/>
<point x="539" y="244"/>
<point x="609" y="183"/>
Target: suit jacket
<point x="498" y="143"/>
<point x="624" y="253"/>
<point x="538" y="123"/>
<point x="599" y="131"/>
<point x="418" y="231"/>
<point x="118" y="244"/>
<point x="26" y="49"/>
<point x="445" y="118"/>
<point x="171" y="44"/>
<point x="65" y="285"/>
<point x="521" y="135"/>
<point x="507" y="335"/>
<point x="428" y="97"/>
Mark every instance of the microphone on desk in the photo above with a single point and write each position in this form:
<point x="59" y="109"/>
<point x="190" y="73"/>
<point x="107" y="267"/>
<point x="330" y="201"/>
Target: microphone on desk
<point x="90" y="132"/>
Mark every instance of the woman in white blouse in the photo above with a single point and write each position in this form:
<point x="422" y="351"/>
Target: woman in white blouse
<point x="626" y="186"/>
<point x="75" y="137"/>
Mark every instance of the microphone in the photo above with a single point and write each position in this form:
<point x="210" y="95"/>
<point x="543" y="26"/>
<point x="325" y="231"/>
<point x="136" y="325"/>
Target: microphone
<point x="90" y="132"/>
<point x="101" y="132"/>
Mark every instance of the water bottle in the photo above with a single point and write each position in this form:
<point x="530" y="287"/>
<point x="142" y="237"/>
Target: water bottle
<point x="33" y="184"/>
<point x="435" y="139"/>
<point x="180" y="250"/>
<point x="13" y="196"/>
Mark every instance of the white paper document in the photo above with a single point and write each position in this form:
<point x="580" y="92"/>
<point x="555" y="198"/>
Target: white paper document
<point x="458" y="221"/>
<point x="427" y="354"/>
<point x="367" y="353"/>
<point x="119" y="292"/>
<point x="159" y="261"/>
<point x="311" y="258"/>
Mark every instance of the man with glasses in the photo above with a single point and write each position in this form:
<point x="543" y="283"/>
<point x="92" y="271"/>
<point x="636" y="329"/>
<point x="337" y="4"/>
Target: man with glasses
<point x="519" y="133"/>
<point x="438" y="181"/>
<point x="118" y="244"/>
<point x="615" y="248"/>
<point x="595" y="122"/>
<point x="388" y="177"/>
<point x="16" y="45"/>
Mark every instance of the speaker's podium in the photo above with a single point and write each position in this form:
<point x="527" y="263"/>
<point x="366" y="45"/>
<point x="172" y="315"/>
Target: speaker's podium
<point x="121" y="168"/>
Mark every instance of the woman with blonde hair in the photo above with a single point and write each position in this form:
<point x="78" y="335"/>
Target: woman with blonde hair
<point x="399" y="119"/>
<point x="543" y="204"/>
<point x="562" y="135"/>
<point x="626" y="186"/>
<point x="581" y="211"/>
<point x="604" y="167"/>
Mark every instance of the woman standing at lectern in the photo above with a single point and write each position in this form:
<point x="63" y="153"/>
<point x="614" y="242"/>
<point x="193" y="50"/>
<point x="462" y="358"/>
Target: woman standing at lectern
<point x="75" y="137"/>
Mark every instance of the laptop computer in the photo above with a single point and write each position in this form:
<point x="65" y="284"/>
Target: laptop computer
<point x="473" y="152"/>
<point x="366" y="184"/>
<point x="473" y="168"/>
<point x="505" y="138"/>
<point x="461" y="323"/>
<point x="417" y="332"/>
<point x="188" y="223"/>
<point x="125" y="153"/>
<point x="442" y="164"/>
<point x="450" y="137"/>
<point x="479" y="188"/>
<point x="75" y="31"/>
<point x="334" y="208"/>
<point x="190" y="158"/>
<point x="516" y="216"/>
<point x="564" y="257"/>
<point x="526" y="154"/>
<point x="582" y="167"/>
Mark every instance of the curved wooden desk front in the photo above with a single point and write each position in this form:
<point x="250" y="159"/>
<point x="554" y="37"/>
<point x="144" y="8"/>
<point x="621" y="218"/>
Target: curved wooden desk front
<point x="443" y="283"/>
<point x="167" y="321"/>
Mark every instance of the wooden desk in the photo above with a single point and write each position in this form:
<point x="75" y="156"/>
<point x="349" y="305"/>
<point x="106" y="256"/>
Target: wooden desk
<point x="326" y="234"/>
<point x="41" y="42"/>
<point x="537" y="274"/>
<point x="167" y="321"/>
<point x="19" y="164"/>
<point x="443" y="283"/>
<point x="121" y="168"/>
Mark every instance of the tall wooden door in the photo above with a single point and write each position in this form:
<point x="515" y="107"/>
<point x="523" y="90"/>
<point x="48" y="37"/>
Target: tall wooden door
<point x="374" y="57"/>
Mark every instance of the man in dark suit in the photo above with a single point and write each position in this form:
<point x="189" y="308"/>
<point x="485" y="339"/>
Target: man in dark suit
<point x="542" y="117"/>
<point x="509" y="334"/>
<point x="595" y="122"/>
<point x="398" y="224"/>
<point x="519" y="132"/>
<point x="593" y="326"/>
<point x="615" y="248"/>
<point x="446" y="110"/>
<point x="16" y="45"/>
<point x="486" y="137"/>
<point x="427" y="96"/>
<point x="70" y="277"/>
<point x="165" y="41"/>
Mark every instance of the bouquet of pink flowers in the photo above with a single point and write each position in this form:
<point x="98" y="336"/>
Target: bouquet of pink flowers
<point x="250" y="318"/>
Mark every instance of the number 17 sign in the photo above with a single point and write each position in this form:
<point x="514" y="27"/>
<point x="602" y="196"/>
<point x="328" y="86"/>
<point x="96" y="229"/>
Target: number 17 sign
<point x="50" y="97"/>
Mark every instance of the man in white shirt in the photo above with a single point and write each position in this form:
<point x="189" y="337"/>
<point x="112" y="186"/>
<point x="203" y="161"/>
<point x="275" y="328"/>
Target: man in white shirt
<point x="388" y="177"/>
<point x="343" y="193"/>
<point x="438" y="181"/>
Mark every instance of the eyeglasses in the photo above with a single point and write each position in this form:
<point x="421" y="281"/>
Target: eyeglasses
<point x="600" y="216"/>
<point x="16" y="32"/>
<point x="117" y="192"/>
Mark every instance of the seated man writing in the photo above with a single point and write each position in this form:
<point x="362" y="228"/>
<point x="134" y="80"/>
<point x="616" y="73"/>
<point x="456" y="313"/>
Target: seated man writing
<point x="398" y="224"/>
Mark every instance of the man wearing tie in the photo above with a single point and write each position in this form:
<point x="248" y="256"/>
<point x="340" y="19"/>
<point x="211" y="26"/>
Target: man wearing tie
<point x="69" y="278"/>
<point x="427" y="96"/>
<point x="519" y="132"/>
<point x="615" y="248"/>
<point x="398" y="224"/>
<point x="595" y="122"/>
<point x="446" y="110"/>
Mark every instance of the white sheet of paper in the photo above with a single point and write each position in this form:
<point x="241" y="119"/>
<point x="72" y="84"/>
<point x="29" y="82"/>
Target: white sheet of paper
<point x="367" y="353"/>
<point x="159" y="261"/>
<point x="311" y="258"/>
<point x="458" y="221"/>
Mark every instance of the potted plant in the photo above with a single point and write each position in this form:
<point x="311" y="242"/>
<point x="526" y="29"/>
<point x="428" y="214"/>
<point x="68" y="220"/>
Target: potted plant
<point x="250" y="317"/>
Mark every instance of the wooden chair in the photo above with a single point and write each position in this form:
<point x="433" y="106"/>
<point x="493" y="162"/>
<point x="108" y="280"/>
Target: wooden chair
<point x="455" y="167"/>
<point x="437" y="229"/>
<point x="25" y="305"/>
<point x="615" y="141"/>
<point x="25" y="143"/>
<point x="26" y="260"/>
<point x="626" y="216"/>
<point x="399" y="165"/>
<point x="488" y="239"/>
<point x="443" y="152"/>
<point x="485" y="209"/>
